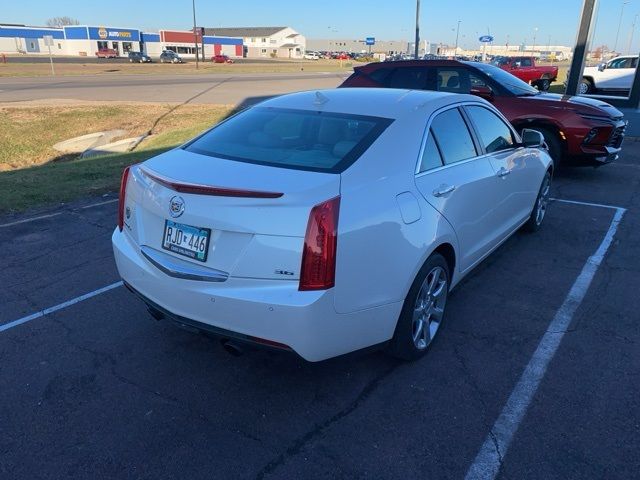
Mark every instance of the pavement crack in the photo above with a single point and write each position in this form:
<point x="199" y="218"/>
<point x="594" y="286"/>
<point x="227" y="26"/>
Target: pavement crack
<point x="480" y="397"/>
<point x="298" y="444"/>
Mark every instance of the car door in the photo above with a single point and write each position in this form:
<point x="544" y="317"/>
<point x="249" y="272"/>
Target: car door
<point x="617" y="76"/>
<point x="526" y="71"/>
<point x="511" y="163"/>
<point x="460" y="185"/>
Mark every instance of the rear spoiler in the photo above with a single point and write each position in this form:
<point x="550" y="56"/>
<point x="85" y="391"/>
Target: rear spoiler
<point x="199" y="189"/>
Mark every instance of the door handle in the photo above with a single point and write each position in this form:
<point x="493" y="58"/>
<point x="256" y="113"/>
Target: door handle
<point x="443" y="190"/>
<point x="503" y="172"/>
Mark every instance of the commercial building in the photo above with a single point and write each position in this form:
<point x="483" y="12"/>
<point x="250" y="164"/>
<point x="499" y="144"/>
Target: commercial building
<point x="183" y="43"/>
<point x="24" y="39"/>
<point x="265" y="42"/>
<point x="86" y="40"/>
<point x="83" y="40"/>
<point x="350" y="45"/>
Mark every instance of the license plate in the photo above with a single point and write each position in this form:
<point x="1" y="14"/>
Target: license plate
<point x="192" y="242"/>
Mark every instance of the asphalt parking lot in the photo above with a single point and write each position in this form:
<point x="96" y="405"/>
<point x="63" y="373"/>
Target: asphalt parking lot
<point x="97" y="389"/>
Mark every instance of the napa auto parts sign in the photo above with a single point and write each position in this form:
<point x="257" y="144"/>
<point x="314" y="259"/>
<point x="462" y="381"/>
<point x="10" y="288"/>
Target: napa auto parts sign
<point x="106" y="33"/>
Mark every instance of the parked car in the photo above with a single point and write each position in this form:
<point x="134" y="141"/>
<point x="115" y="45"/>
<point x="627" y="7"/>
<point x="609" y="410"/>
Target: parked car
<point x="139" y="57"/>
<point x="616" y="75"/>
<point x="221" y="59"/>
<point x="311" y="56"/>
<point x="580" y="129"/>
<point x="263" y="229"/>
<point x="169" y="56"/>
<point x="527" y="70"/>
<point x="107" y="53"/>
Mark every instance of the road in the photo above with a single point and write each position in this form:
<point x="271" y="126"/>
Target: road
<point x="179" y="88"/>
<point x="22" y="59"/>
<point x="97" y="389"/>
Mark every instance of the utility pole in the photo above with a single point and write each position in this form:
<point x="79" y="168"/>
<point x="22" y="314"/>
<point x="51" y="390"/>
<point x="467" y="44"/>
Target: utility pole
<point x="195" y="33"/>
<point x="417" y="45"/>
<point x="615" y="45"/>
<point x="457" y="35"/>
<point x="633" y="27"/>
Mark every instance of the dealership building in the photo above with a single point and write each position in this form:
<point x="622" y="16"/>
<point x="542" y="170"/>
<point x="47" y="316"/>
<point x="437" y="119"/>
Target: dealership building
<point x="77" y="40"/>
<point x="265" y="42"/>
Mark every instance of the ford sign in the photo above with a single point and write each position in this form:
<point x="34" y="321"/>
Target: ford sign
<point x="486" y="38"/>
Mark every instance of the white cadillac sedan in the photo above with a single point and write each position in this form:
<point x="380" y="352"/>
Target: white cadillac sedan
<point x="330" y="221"/>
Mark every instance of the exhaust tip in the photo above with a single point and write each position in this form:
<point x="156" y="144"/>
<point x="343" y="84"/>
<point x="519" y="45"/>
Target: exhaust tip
<point x="232" y="348"/>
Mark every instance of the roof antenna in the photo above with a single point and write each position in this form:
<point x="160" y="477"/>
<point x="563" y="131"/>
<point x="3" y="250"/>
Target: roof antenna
<point x="320" y="99"/>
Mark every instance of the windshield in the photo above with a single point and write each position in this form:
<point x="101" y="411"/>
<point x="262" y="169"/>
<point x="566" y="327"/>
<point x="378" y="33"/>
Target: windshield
<point x="508" y="81"/>
<point x="297" y="139"/>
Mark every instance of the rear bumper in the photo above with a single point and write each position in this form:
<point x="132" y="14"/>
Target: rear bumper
<point x="246" y="309"/>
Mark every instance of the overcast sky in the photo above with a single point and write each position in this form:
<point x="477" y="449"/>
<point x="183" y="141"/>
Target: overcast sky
<point x="514" y="21"/>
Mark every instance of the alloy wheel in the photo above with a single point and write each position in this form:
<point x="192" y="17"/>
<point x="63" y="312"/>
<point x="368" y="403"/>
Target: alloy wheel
<point x="543" y="200"/>
<point x="429" y="307"/>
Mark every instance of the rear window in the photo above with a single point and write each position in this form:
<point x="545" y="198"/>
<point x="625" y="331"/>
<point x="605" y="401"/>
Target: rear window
<point x="298" y="139"/>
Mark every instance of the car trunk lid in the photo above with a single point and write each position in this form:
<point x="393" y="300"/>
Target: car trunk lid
<point x="256" y="216"/>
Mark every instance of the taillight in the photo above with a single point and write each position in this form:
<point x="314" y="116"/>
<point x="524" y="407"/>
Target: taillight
<point x="123" y="192"/>
<point x="318" y="270"/>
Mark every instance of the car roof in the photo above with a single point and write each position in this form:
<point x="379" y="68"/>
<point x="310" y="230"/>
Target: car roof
<point x="377" y="102"/>
<point x="412" y="63"/>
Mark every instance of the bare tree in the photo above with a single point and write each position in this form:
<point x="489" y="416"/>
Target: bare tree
<point x="62" y="21"/>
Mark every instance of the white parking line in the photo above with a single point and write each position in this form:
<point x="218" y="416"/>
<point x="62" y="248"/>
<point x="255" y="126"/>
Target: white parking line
<point x="489" y="459"/>
<point x="42" y="217"/>
<point x="60" y="306"/>
<point x="588" y="204"/>
<point x="100" y="203"/>
<point x="17" y="222"/>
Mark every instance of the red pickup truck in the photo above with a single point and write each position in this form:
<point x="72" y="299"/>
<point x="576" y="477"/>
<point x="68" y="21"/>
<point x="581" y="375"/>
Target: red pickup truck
<point x="525" y="69"/>
<point x="107" y="53"/>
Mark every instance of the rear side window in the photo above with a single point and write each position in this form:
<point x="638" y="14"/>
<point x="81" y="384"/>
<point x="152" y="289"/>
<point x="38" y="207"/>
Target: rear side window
<point x="411" y="78"/>
<point x="452" y="135"/>
<point x="494" y="134"/>
<point x="431" y="155"/>
<point x="454" y="80"/>
<point x="296" y="139"/>
<point x="379" y="75"/>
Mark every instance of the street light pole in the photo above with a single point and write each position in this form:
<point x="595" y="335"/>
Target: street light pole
<point x="533" y="50"/>
<point x="633" y="27"/>
<point x="457" y="35"/>
<point x="195" y="33"/>
<point x="615" y="45"/>
<point x="417" y="45"/>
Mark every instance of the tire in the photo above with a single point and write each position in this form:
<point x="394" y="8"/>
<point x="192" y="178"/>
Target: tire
<point x="553" y="142"/>
<point x="423" y="311"/>
<point x="585" y="86"/>
<point x="544" y="84"/>
<point x="540" y="206"/>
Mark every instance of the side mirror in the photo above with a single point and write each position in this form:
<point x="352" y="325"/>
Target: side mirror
<point x="532" y="138"/>
<point x="482" y="91"/>
<point x="602" y="67"/>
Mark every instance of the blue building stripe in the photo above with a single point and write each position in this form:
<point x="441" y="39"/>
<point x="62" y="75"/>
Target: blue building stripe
<point x="76" y="33"/>
<point x="19" y="32"/>
<point x="222" y="41"/>
<point x="149" y="37"/>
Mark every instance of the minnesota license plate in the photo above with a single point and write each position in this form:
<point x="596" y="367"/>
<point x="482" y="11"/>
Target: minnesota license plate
<point x="192" y="242"/>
